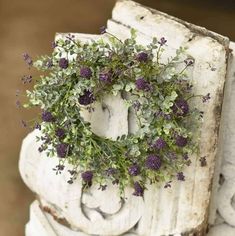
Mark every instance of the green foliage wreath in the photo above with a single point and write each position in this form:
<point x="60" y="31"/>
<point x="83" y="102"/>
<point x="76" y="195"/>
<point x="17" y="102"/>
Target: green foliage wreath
<point x="158" y="92"/>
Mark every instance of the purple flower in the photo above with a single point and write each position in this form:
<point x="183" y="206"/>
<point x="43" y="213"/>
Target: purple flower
<point x="181" y="141"/>
<point x="206" y="98"/>
<point x="203" y="161"/>
<point x="181" y="107"/>
<point x="111" y="171"/>
<point x="142" y="84"/>
<point x="87" y="176"/>
<point x="53" y="45"/>
<point x="134" y="170"/>
<point x="139" y="190"/>
<point x="18" y="104"/>
<point x="47" y="116"/>
<point x="105" y="77"/>
<point x="153" y="162"/>
<point x="103" y="30"/>
<point x="60" y="133"/>
<point x="62" y="150"/>
<point x="142" y="57"/>
<point x="85" y="72"/>
<point x="136" y="105"/>
<point x="26" y="79"/>
<point x="63" y="63"/>
<point x="159" y="144"/>
<point x="162" y="41"/>
<point x="87" y="98"/>
<point x="37" y="126"/>
<point x="49" y="63"/>
<point x="180" y="176"/>
<point x="189" y="61"/>
<point x="27" y="59"/>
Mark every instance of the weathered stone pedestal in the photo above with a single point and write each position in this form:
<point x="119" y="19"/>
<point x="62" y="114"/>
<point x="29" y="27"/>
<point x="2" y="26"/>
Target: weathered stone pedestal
<point x="65" y="210"/>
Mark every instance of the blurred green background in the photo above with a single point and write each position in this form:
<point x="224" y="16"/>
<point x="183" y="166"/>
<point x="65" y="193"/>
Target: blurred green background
<point x="30" y="25"/>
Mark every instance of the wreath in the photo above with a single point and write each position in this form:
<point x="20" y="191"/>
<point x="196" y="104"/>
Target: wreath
<point x="78" y="75"/>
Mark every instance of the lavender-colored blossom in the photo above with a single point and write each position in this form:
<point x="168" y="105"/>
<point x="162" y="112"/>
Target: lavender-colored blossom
<point x="85" y="72"/>
<point x="53" y="45"/>
<point x="139" y="190"/>
<point x="203" y="161"/>
<point x="63" y="63"/>
<point x="26" y="79"/>
<point x="111" y="171"/>
<point x="105" y="77"/>
<point x="153" y="162"/>
<point x="87" y="176"/>
<point x="49" y="63"/>
<point x="47" y="116"/>
<point x="206" y="98"/>
<point x="18" y="104"/>
<point x="27" y="59"/>
<point x="181" y="107"/>
<point x="37" y="126"/>
<point x="181" y="141"/>
<point x="185" y="156"/>
<point x="136" y="105"/>
<point x="162" y="41"/>
<point x="60" y="133"/>
<point x="180" y="176"/>
<point x="142" y="57"/>
<point x="159" y="144"/>
<point x="87" y="98"/>
<point x="103" y="30"/>
<point x="142" y="84"/>
<point x="171" y="156"/>
<point x="134" y="170"/>
<point x="62" y="150"/>
<point x="189" y="61"/>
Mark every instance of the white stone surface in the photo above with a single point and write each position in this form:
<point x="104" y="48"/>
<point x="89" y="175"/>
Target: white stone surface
<point x="162" y="211"/>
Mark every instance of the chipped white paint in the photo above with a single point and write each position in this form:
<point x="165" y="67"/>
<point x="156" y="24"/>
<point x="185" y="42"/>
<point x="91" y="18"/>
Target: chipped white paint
<point x="179" y="209"/>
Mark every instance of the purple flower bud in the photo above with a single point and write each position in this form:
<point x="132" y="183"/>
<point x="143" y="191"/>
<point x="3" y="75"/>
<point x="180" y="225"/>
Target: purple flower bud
<point x="63" y="63"/>
<point x="139" y="190"/>
<point x="142" y="57"/>
<point x="26" y="79"/>
<point x="53" y="45"/>
<point x="62" y="150"/>
<point x="60" y="133"/>
<point x="142" y="84"/>
<point x="181" y="107"/>
<point x="111" y="171"/>
<point x="134" y="170"/>
<point x="181" y="141"/>
<point x="153" y="162"/>
<point x="18" y="104"/>
<point x="103" y="30"/>
<point x="49" y="63"/>
<point x="87" y="98"/>
<point x="87" y="176"/>
<point x="85" y="72"/>
<point x="189" y="61"/>
<point x="27" y="59"/>
<point x="206" y="98"/>
<point x="162" y="41"/>
<point x="105" y="77"/>
<point x="47" y="116"/>
<point x="180" y="176"/>
<point x="203" y="161"/>
<point x="159" y="144"/>
<point x="37" y="126"/>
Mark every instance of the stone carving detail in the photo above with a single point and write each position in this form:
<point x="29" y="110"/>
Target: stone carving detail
<point x="161" y="211"/>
